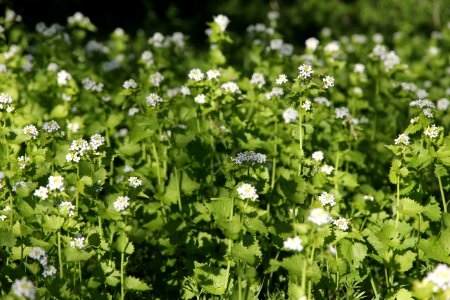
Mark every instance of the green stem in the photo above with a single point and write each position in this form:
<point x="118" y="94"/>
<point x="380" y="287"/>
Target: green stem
<point x="374" y="287"/>
<point x="100" y="228"/>
<point x="61" y="267"/>
<point x="444" y="203"/>
<point x="336" y="168"/>
<point x="155" y="153"/>
<point x="79" y="272"/>
<point x="122" y="289"/>
<point x="230" y="243"/>
<point x="397" y="217"/>
<point x="178" y="189"/>
<point x="300" y="136"/>
<point x="303" y="283"/>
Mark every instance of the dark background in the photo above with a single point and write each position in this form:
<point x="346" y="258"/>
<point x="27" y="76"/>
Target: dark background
<point x="300" y="19"/>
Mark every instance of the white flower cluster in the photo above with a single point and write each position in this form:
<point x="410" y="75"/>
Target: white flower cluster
<point x="121" y="203"/>
<point x="322" y="101"/>
<point x="129" y="84"/>
<point x="440" y="278"/>
<point x="327" y="199"/>
<point x="341" y="112"/>
<point x="79" y="19"/>
<point x="341" y="223"/>
<point x="319" y="216"/>
<point x="311" y="44"/>
<point x="230" y="87"/>
<point x="156" y="79"/>
<point x="294" y="244"/>
<point x="281" y="47"/>
<point x="134" y="182"/>
<point x="390" y="58"/>
<point x="275" y="92"/>
<point x="317" y="156"/>
<point x="290" y="115"/>
<point x="258" y="80"/>
<point x="332" y="47"/>
<point x="305" y="71"/>
<point x="78" y="242"/>
<point x="158" y="40"/>
<point x="13" y="50"/>
<point x="247" y="191"/>
<point x="147" y="58"/>
<point x="23" y="288"/>
<point x="56" y="183"/>
<point x="402" y="139"/>
<point x="328" y="81"/>
<point x="153" y="99"/>
<point x="408" y="86"/>
<point x="23" y="162"/>
<point x="222" y="21"/>
<point x="6" y="103"/>
<point x="200" y="99"/>
<point x="249" y="157"/>
<point x="31" y="130"/>
<point x="51" y="126"/>
<point x="260" y="28"/>
<point x="80" y="147"/>
<point x="39" y="254"/>
<point x="327" y="169"/>
<point x="359" y="68"/>
<point x="443" y="104"/>
<point x="422" y="103"/>
<point x="91" y="85"/>
<point x="196" y="75"/>
<point x="63" y="77"/>
<point x="307" y="105"/>
<point x="432" y="131"/>
<point x="282" y="79"/>
<point x="67" y="208"/>
<point x="213" y="74"/>
<point x="95" y="46"/>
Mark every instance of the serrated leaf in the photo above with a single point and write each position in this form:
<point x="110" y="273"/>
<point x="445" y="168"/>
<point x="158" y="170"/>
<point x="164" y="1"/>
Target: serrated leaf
<point x="405" y="261"/>
<point x="52" y="223"/>
<point x="403" y="294"/>
<point x="294" y="264"/>
<point x="394" y="171"/>
<point x="212" y="280"/>
<point x="133" y="283"/>
<point x="220" y="208"/>
<point x="255" y="225"/>
<point x="7" y="239"/>
<point x="250" y="255"/>
<point x="74" y="255"/>
<point x="433" y="212"/>
<point x="410" y="207"/>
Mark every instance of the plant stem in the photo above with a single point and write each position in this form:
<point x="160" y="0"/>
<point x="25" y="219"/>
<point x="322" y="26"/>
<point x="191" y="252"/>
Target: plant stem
<point x="178" y="189"/>
<point x="155" y="153"/>
<point x="122" y="289"/>
<point x="230" y="243"/>
<point x="397" y="217"/>
<point x="444" y="203"/>
<point x="300" y="136"/>
<point x="61" y="267"/>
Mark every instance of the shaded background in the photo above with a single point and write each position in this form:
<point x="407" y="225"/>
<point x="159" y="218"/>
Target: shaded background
<point x="300" y="19"/>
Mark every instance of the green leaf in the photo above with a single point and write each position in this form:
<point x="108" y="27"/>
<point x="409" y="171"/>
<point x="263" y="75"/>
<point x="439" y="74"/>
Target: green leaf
<point x="212" y="280"/>
<point x="353" y="253"/>
<point x="394" y="172"/>
<point x="133" y="283"/>
<point x="433" y="212"/>
<point x="220" y="208"/>
<point x="409" y="207"/>
<point x="294" y="264"/>
<point x="405" y="261"/>
<point x="255" y="225"/>
<point x="59" y="111"/>
<point x="52" y="223"/>
<point x="250" y="255"/>
<point x="122" y="242"/>
<point x="403" y="294"/>
<point x="74" y="255"/>
<point x="7" y="239"/>
<point x="188" y="186"/>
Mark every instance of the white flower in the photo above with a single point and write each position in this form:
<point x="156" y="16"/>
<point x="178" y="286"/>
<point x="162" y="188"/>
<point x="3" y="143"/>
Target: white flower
<point x="96" y="141"/>
<point x="275" y="92"/>
<point x="249" y="157"/>
<point x="377" y="38"/>
<point x="422" y="103"/>
<point x="128" y="169"/>
<point x="157" y="40"/>
<point x="440" y="277"/>
<point x="319" y="216"/>
<point x="153" y="99"/>
<point x="222" y="21"/>
<point x="129" y="84"/>
<point x="132" y="111"/>
<point x="290" y="115"/>
<point x="49" y="272"/>
<point x="230" y="87"/>
<point x="121" y="203"/>
<point x="341" y="112"/>
<point x="200" y="99"/>
<point x="408" y="86"/>
<point x="56" y="183"/>
<point x="427" y="113"/>
<point x="421" y="93"/>
<point x="41" y="192"/>
<point x="327" y="199"/>
<point x="305" y="71"/>
<point x="134" y="182"/>
<point x="328" y="81"/>
<point x="332" y="47"/>
<point x="282" y="78"/>
<point x="51" y="126"/>
<point x="390" y="61"/>
<point x="196" y="75"/>
<point x="359" y="68"/>
<point x="294" y="244"/>
<point x="24" y="288"/>
<point x="341" y="223"/>
<point x="156" y="79"/>
<point x="432" y="131"/>
<point x="258" y="79"/>
<point x="276" y="44"/>
<point x="213" y="74"/>
<point x="52" y="67"/>
<point x="307" y="105"/>
<point x="67" y="208"/>
<point x="2" y="217"/>
<point x="91" y="85"/>
<point x="442" y="104"/>
<point x="247" y="191"/>
<point x="78" y="242"/>
<point x="327" y="169"/>
<point x="311" y="44"/>
<point x="368" y="197"/>
<point x="317" y="156"/>
<point x="402" y="139"/>
<point x="37" y="253"/>
<point x="322" y="101"/>
<point x="31" y="130"/>
<point x="23" y="161"/>
<point x="74" y="127"/>
<point x="63" y="77"/>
